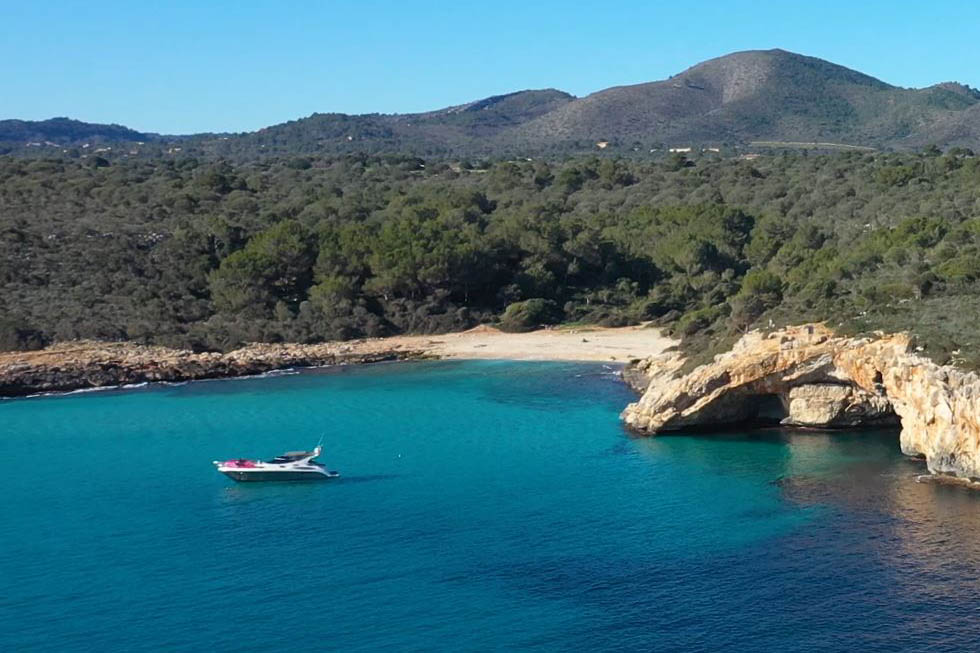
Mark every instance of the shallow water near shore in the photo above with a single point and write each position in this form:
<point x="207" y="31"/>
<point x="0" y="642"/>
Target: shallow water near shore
<point x="483" y="505"/>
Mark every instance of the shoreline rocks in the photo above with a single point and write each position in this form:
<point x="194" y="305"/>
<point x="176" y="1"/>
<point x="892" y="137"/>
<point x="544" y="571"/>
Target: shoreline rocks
<point x="81" y="365"/>
<point x="808" y="376"/>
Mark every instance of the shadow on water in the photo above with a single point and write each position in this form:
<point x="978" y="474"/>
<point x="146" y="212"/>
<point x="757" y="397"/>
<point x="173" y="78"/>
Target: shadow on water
<point x="859" y="471"/>
<point x="849" y="441"/>
<point x="247" y="493"/>
<point x="342" y="480"/>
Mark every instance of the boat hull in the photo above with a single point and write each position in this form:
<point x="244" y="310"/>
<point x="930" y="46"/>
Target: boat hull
<point x="273" y="476"/>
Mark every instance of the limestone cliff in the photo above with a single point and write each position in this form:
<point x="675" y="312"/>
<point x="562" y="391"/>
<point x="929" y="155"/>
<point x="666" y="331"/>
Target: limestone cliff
<point x="808" y="376"/>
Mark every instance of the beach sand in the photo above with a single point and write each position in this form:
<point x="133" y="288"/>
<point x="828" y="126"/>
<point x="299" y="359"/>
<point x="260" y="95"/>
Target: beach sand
<point x="620" y="344"/>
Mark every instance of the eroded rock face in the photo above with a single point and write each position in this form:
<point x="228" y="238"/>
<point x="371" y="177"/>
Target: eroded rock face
<point x="824" y="380"/>
<point x="831" y="405"/>
<point x="640" y="374"/>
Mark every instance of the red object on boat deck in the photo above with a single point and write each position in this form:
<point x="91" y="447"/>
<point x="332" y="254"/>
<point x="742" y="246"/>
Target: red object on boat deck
<point x="241" y="462"/>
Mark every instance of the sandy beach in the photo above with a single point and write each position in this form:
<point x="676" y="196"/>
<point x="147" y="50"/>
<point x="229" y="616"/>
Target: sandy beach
<point x="567" y="343"/>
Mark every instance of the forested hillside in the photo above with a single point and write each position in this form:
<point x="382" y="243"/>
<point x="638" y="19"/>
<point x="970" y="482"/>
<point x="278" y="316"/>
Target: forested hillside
<point x="209" y="254"/>
<point x="45" y="134"/>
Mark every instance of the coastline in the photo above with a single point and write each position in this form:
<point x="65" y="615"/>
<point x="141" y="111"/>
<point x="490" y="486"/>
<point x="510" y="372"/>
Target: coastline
<point x="82" y="365"/>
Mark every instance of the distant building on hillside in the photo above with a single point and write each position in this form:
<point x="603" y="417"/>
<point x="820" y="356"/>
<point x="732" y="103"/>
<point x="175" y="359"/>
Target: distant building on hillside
<point x="681" y="150"/>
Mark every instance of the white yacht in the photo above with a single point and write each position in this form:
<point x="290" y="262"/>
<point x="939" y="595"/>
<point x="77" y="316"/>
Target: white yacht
<point x="290" y="466"/>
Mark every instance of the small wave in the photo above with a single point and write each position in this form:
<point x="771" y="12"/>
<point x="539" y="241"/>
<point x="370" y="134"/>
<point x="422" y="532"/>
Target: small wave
<point x="288" y="371"/>
<point x="581" y="375"/>
<point x="65" y="393"/>
<point x="80" y="391"/>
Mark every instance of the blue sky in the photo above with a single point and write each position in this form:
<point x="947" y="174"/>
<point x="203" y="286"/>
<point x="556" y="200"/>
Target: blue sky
<point x="180" y="67"/>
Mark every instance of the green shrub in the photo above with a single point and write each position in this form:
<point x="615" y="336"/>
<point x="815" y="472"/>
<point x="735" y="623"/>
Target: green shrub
<point x="699" y="320"/>
<point x="529" y="315"/>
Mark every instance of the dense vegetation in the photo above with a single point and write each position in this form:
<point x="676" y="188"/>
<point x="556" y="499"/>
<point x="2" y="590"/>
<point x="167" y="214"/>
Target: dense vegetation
<point x="207" y="254"/>
<point x="16" y="135"/>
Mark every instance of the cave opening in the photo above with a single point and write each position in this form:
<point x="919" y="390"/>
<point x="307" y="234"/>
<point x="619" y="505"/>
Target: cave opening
<point x="770" y="409"/>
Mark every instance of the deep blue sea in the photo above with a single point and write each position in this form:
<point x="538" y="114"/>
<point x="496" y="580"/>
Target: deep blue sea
<point x="483" y="506"/>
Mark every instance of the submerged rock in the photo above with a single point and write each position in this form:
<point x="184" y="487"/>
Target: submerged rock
<point x="808" y="376"/>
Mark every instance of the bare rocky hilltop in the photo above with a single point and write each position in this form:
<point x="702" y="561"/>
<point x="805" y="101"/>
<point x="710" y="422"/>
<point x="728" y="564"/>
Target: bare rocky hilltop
<point x="809" y="376"/>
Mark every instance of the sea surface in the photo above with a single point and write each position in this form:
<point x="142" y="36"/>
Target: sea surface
<point x="483" y="506"/>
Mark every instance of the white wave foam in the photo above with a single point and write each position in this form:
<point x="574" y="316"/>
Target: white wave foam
<point x="64" y="393"/>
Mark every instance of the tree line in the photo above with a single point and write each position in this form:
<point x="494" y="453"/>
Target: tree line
<point x="209" y="254"/>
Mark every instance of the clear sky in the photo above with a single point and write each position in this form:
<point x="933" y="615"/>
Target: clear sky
<point x="187" y="66"/>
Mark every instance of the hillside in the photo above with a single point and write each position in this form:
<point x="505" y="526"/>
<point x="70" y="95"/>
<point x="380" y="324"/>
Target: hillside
<point x="65" y="132"/>
<point x="183" y="252"/>
<point x="771" y="95"/>
<point x="480" y="128"/>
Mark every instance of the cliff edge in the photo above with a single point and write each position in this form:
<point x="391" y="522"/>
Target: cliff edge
<point x="809" y="376"/>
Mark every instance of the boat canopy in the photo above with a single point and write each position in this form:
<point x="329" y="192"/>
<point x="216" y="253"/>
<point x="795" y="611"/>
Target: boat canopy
<point x="292" y="456"/>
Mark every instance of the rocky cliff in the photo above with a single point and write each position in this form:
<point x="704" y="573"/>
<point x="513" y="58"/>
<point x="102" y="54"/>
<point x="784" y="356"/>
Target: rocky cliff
<point x="808" y="376"/>
<point x="77" y="365"/>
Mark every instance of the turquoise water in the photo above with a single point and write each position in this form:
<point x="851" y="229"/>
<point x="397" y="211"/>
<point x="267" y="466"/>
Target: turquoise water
<point x="484" y="506"/>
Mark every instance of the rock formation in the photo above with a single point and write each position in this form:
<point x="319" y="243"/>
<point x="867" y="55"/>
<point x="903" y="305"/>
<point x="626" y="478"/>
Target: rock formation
<point x="77" y="365"/>
<point x="829" y="405"/>
<point x="808" y="376"/>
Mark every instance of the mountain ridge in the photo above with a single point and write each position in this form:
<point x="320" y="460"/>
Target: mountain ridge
<point x="735" y="99"/>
